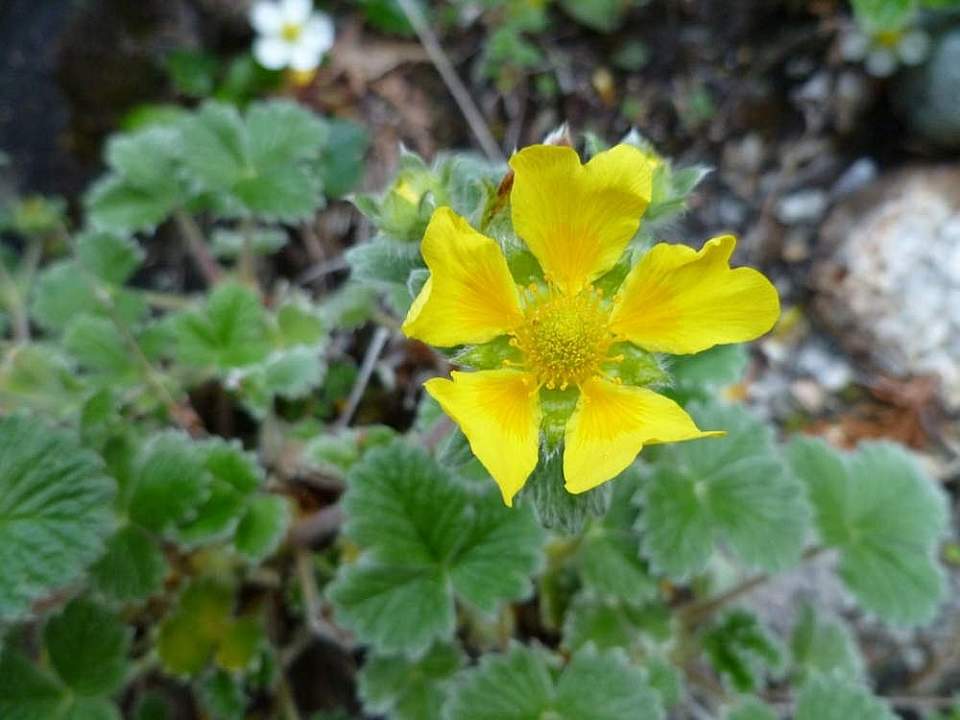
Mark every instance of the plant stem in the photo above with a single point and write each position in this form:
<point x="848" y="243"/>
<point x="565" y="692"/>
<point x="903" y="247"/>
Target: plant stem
<point x="379" y="341"/>
<point x="456" y="87"/>
<point x="197" y="248"/>
<point x="18" y="312"/>
<point x="248" y="261"/>
<point x="697" y="611"/>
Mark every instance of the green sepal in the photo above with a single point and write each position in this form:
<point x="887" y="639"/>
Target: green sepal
<point x="488" y="356"/>
<point x="557" y="407"/>
<point x="638" y="367"/>
<point x="554" y="506"/>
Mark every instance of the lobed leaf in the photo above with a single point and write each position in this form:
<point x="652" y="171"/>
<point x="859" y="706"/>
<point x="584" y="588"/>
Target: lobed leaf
<point x="886" y="517"/>
<point x="55" y="512"/>
<point x="733" y="490"/>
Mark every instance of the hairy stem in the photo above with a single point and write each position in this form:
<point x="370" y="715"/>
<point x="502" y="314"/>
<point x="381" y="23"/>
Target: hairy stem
<point x="197" y="247"/>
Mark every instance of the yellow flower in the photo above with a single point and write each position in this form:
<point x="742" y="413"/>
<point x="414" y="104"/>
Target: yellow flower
<point x="577" y="220"/>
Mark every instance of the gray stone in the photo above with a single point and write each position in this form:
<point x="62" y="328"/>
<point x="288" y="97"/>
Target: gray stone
<point x="888" y="278"/>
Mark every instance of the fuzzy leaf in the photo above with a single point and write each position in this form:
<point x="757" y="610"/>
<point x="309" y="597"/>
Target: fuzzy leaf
<point x="886" y="518"/>
<point x="425" y="540"/>
<point x="189" y="636"/>
<point x="109" y="257"/>
<point x="404" y="689"/>
<point x="64" y="290"/>
<point x="259" y="161"/>
<point x="740" y="649"/>
<point x="223" y="696"/>
<point x="826" y="697"/>
<point x="229" y="332"/>
<point x="26" y="693"/>
<point x="609" y="553"/>
<point x="734" y="490"/>
<point x="132" y="568"/>
<point x="611" y="623"/>
<point x="99" y="347"/>
<point x="519" y="685"/>
<point x="88" y="648"/>
<point x="341" y="162"/>
<point x="170" y="482"/>
<point x="144" y="187"/>
<point x="262" y="527"/>
<point x="55" y="512"/>
<point x="752" y="709"/>
<point x="824" y="645"/>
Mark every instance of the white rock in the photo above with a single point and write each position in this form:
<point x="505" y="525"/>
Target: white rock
<point x="889" y="286"/>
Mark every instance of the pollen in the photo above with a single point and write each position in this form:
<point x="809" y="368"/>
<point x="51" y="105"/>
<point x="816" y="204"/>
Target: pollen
<point x="291" y="31"/>
<point x="564" y="338"/>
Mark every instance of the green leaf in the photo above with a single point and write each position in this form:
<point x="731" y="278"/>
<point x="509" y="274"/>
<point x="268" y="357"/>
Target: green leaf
<point x="88" y="648"/>
<point x="40" y="377"/>
<point x="64" y="290"/>
<point x="740" y="649"/>
<point x="520" y="686"/>
<point x="602" y="15"/>
<point x="734" y="490"/>
<point x="26" y="693"/>
<point x="259" y="161"/>
<point x="425" y="540"/>
<point x="384" y="261"/>
<point x="240" y="645"/>
<point x="826" y="697"/>
<point x="110" y="257"/>
<point x="90" y="709"/>
<point x="152" y="705"/>
<point x="99" y="347"/>
<point x="263" y="527"/>
<point x="55" y="512"/>
<point x="189" y="636"/>
<point x="214" y="145"/>
<point x="608" y="623"/>
<point x="132" y="568"/>
<point x="341" y="162"/>
<point x="145" y="186"/>
<point x="886" y="517"/>
<point x="223" y="696"/>
<point x="609" y="553"/>
<point x="752" y="709"/>
<point x="229" y="332"/>
<point x="234" y="474"/>
<point x="701" y="375"/>
<point x="193" y="72"/>
<point x="293" y="373"/>
<point x="404" y="689"/>
<point x="394" y="608"/>
<point x="282" y="132"/>
<point x="824" y="645"/>
<point x="170" y="482"/>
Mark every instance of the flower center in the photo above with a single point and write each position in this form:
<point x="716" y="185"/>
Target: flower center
<point x="564" y="338"/>
<point x="291" y="32"/>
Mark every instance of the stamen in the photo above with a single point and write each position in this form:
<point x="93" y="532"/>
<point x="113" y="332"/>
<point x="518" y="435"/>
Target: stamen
<point x="564" y="338"/>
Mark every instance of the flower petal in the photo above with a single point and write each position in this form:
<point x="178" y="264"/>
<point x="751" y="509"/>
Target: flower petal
<point x="318" y="32"/>
<point x="577" y="219"/>
<point x="296" y="12"/>
<point x="679" y="301"/>
<point x="470" y="296"/>
<point x="499" y="412"/>
<point x="266" y="17"/>
<point x="272" y="52"/>
<point x="305" y="57"/>
<point x="610" y="426"/>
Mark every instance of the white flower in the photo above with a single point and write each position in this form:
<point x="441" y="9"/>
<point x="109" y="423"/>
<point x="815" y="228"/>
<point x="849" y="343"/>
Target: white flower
<point x="290" y="34"/>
